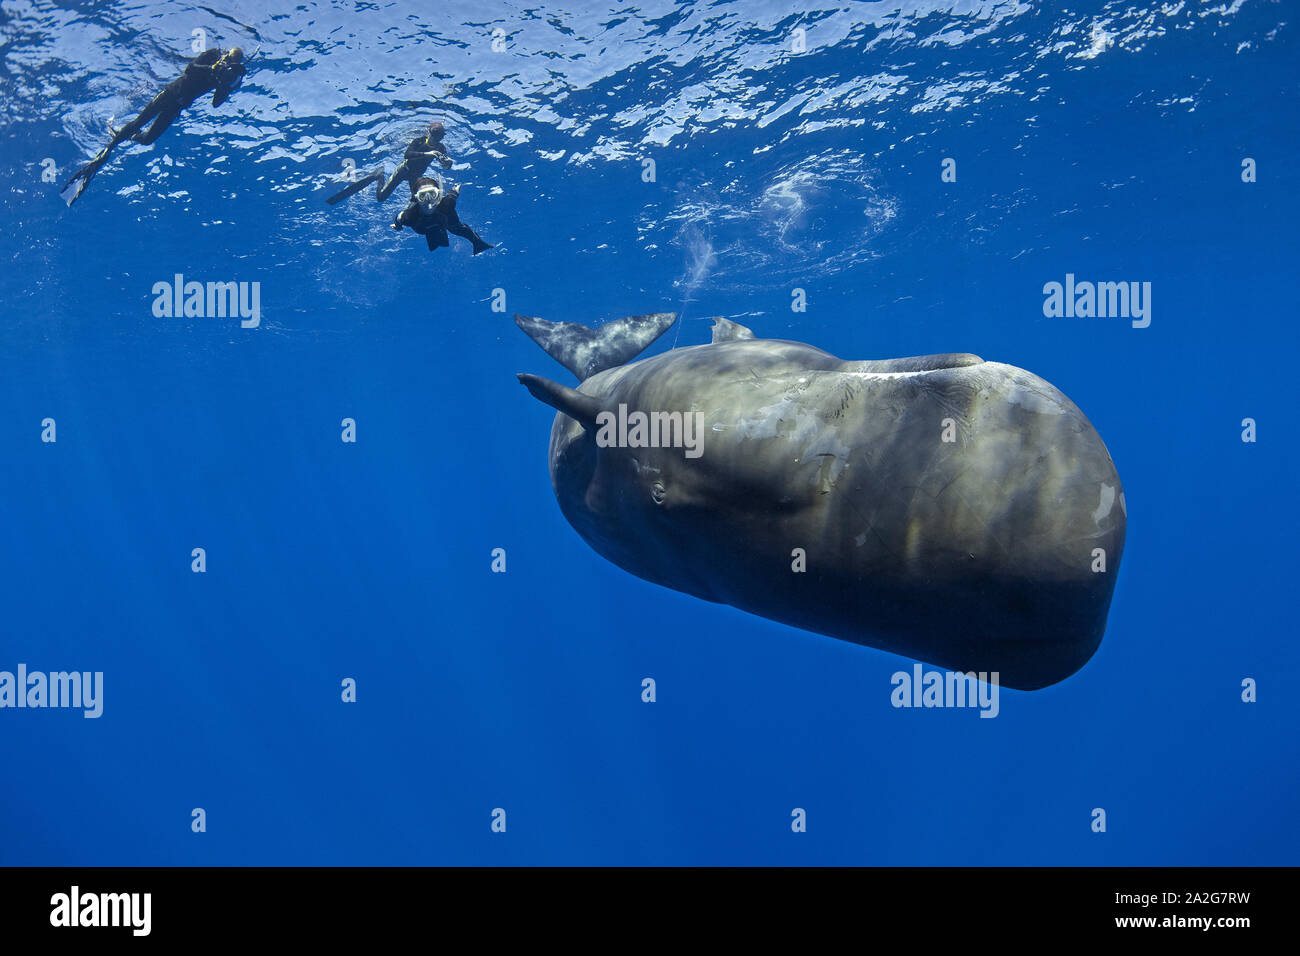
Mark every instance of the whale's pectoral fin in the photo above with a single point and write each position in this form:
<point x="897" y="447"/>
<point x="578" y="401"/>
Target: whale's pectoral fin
<point x="584" y="351"/>
<point x="581" y="408"/>
<point x="916" y="363"/>
<point x="724" y="330"/>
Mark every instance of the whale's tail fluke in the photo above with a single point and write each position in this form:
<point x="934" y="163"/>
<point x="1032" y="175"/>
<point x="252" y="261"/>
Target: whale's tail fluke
<point x="581" y="408"/>
<point x="584" y="351"/>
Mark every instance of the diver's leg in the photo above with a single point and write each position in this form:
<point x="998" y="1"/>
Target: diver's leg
<point x="386" y="190"/>
<point x="119" y="135"/>
<point x="133" y="128"/>
<point x="165" y="118"/>
<point x="156" y="107"/>
<point x="353" y="188"/>
<point x="87" y="172"/>
<point x="459" y="228"/>
<point x="436" y="238"/>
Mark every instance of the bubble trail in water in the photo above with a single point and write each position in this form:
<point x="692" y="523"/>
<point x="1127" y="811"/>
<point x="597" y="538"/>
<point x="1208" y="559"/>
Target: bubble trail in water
<point x="700" y="259"/>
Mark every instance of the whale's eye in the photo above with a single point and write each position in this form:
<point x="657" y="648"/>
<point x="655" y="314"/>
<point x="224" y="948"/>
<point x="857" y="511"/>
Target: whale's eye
<point x="657" y="492"/>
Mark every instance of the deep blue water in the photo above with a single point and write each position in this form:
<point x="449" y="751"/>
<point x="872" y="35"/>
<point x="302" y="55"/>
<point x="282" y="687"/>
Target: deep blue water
<point x="1103" y="140"/>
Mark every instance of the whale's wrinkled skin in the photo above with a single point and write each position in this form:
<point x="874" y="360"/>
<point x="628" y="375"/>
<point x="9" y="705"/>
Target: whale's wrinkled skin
<point x="979" y="553"/>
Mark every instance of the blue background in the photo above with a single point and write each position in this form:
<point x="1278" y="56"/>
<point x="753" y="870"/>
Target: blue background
<point x="1105" y="141"/>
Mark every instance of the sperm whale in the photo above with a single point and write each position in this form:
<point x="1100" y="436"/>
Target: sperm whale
<point x="955" y="511"/>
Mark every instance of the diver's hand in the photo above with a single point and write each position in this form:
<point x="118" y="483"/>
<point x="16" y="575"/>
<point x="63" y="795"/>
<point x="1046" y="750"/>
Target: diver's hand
<point x="444" y="161"/>
<point x="228" y="81"/>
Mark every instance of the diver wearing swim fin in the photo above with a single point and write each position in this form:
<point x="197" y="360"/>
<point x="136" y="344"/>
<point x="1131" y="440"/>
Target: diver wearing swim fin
<point x="211" y="71"/>
<point x="432" y="213"/>
<point x="419" y="156"/>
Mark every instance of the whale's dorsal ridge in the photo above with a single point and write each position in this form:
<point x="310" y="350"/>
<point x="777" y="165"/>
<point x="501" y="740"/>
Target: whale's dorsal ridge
<point x="916" y="363"/>
<point x="584" y="351"/>
<point x="724" y="330"/>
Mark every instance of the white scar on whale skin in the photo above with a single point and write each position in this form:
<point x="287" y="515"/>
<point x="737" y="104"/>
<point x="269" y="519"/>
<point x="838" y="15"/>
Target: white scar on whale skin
<point x="1107" y="503"/>
<point x="887" y="376"/>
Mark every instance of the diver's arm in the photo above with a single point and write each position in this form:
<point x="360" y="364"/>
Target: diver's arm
<point x="435" y="151"/>
<point x="227" y="84"/>
<point x="207" y="60"/>
<point x="443" y="159"/>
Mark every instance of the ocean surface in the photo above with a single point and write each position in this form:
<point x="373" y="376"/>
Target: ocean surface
<point x="794" y="147"/>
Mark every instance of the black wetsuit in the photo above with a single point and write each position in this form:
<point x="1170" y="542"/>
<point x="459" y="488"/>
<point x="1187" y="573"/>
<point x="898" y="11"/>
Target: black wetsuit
<point x="419" y="156"/>
<point x="434" y="226"/>
<point x="201" y="75"/>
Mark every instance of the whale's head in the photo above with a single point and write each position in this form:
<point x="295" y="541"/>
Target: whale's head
<point x="643" y="462"/>
<point x="618" y="469"/>
<point x="613" y="484"/>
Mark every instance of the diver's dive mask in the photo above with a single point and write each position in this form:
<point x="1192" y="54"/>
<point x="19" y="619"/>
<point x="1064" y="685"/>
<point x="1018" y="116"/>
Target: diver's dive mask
<point x="428" y="196"/>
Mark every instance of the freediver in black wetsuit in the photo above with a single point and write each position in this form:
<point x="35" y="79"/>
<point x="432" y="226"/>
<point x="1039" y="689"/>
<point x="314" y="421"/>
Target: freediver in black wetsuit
<point x="211" y="71"/>
<point x="419" y="156"/>
<point x="432" y="213"/>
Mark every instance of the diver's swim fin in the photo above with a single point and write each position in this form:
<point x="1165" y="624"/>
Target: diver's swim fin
<point x="85" y="174"/>
<point x="481" y="246"/>
<point x="354" y="188"/>
<point x="584" y="351"/>
<point x="76" y="194"/>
